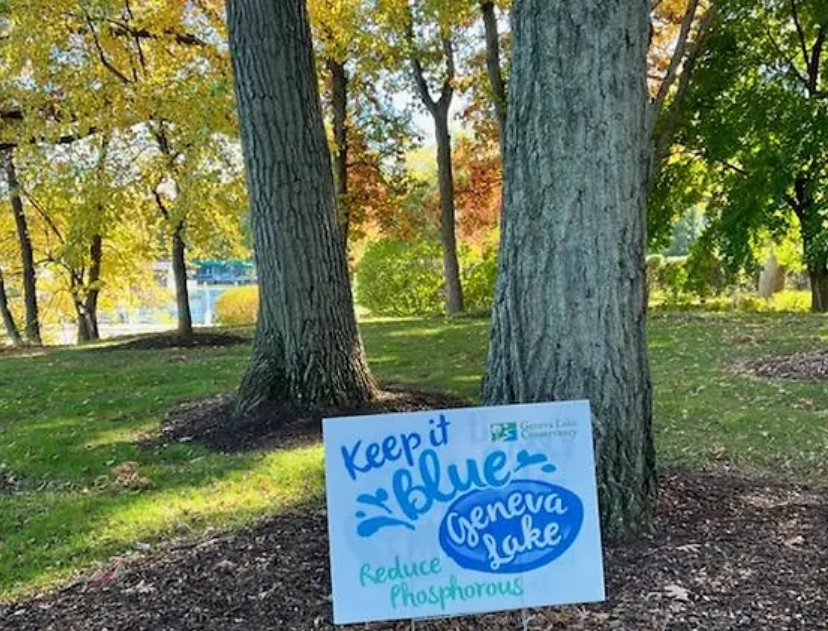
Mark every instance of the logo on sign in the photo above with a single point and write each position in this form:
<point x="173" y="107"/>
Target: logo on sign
<point x="503" y="432"/>
<point x="517" y="528"/>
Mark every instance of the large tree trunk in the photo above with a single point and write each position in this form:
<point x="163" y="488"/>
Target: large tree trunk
<point x="307" y="349"/>
<point x="8" y="319"/>
<point x="339" y="109"/>
<point x="26" y="252"/>
<point x="569" y="316"/>
<point x="819" y="289"/>
<point x="451" y="265"/>
<point x="496" y="82"/>
<point x="182" y="294"/>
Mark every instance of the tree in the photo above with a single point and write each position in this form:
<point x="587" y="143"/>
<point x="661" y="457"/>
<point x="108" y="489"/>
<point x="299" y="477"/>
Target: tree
<point x="569" y="314"/>
<point x="423" y="37"/>
<point x="26" y="251"/>
<point x="117" y="66"/>
<point x="307" y="349"/>
<point x="756" y="117"/>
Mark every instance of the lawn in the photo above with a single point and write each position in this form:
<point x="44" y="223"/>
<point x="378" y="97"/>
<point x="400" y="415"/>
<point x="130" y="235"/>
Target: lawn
<point x="71" y="419"/>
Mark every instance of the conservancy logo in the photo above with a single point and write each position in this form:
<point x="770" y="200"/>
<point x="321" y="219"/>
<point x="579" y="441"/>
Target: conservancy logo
<point x="503" y="432"/>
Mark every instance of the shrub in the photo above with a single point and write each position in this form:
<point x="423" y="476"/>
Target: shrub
<point x="238" y="306"/>
<point x="400" y="278"/>
<point x="405" y="278"/>
<point x="479" y="271"/>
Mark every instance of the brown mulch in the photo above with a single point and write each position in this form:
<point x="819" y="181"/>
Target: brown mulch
<point x="283" y="425"/>
<point x="803" y="366"/>
<point x="728" y="553"/>
<point x="160" y="341"/>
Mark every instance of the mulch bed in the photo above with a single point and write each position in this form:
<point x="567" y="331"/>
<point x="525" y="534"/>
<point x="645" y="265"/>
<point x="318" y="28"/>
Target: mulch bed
<point x="282" y="425"/>
<point x="727" y="553"/>
<point x="160" y="341"/>
<point x="804" y="366"/>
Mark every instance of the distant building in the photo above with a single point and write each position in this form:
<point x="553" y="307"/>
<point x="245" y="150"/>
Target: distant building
<point x="217" y="272"/>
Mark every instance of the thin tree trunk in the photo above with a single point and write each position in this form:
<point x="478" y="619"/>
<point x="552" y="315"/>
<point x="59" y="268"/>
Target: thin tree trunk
<point x="93" y="289"/>
<point x="496" y="82"/>
<point x="451" y="265"/>
<point x="307" y="349"/>
<point x="26" y="252"/>
<point x="8" y="319"/>
<point x="182" y="294"/>
<point x="339" y="109"/>
<point x="84" y="331"/>
<point x="569" y="315"/>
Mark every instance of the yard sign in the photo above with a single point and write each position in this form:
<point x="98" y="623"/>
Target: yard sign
<point x="462" y="511"/>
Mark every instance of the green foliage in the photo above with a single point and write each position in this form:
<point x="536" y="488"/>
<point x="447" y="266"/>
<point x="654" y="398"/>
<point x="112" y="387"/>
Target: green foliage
<point x="668" y="275"/>
<point x="400" y="278"/>
<point x="756" y="121"/>
<point x="478" y="273"/>
<point x="238" y="306"/>
<point x="405" y="278"/>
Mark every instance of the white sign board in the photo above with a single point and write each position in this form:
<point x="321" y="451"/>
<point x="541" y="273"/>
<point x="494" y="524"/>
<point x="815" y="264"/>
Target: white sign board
<point x="452" y="512"/>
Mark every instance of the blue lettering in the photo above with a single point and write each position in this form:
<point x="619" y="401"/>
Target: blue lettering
<point x="349" y="457"/>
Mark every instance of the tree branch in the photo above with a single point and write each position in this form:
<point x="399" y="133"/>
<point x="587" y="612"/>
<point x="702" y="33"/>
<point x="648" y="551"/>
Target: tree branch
<point x="816" y="59"/>
<point x="101" y="54"/>
<point x="678" y="54"/>
<point x="791" y="63"/>
<point x="800" y="33"/>
<point x="417" y="67"/>
<point x="447" y="90"/>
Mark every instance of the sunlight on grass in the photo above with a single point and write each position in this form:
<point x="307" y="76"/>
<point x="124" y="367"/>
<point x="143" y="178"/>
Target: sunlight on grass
<point x="88" y="486"/>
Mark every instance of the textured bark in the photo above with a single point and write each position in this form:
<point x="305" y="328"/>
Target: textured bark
<point x="819" y="289"/>
<point x="182" y="294"/>
<point x="307" y="349"/>
<point x="569" y="315"/>
<point x="496" y="82"/>
<point x="8" y="319"/>
<point x="26" y="252"/>
<point x="339" y="109"/>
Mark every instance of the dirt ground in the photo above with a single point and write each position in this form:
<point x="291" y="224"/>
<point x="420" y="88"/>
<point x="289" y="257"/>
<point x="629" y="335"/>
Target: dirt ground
<point x="727" y="552"/>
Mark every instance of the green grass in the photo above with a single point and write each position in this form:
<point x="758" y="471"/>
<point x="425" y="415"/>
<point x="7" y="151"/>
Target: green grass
<point x="69" y="417"/>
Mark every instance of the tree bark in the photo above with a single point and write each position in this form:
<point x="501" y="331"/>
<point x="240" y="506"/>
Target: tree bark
<point x="26" y="251"/>
<point x="496" y="82"/>
<point x="451" y="265"/>
<point x="307" y="349"/>
<point x="8" y="319"/>
<point x="819" y="289"/>
<point x="339" y="110"/>
<point x="182" y="294"/>
<point x="569" y="315"/>
<point x="86" y="303"/>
